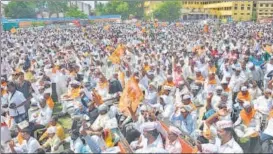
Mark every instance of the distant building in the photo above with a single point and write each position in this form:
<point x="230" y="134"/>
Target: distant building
<point x="82" y="6"/>
<point x="225" y="10"/>
<point x="264" y="9"/>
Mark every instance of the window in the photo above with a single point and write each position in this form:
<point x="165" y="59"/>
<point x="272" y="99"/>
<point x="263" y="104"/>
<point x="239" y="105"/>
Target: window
<point x="242" y="13"/>
<point x="248" y="5"/>
<point x="235" y="13"/>
<point x="248" y="8"/>
<point x="261" y="5"/>
<point x="266" y="5"/>
<point x="235" y="8"/>
<point x="260" y="13"/>
<point x="265" y="10"/>
<point x="242" y="8"/>
<point x="248" y="13"/>
<point x="271" y="5"/>
<point x="265" y="13"/>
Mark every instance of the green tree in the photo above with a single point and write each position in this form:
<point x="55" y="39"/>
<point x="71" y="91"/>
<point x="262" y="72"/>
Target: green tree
<point x="56" y="6"/>
<point x="125" y="9"/>
<point x="19" y="9"/>
<point x="254" y="15"/>
<point x="168" y="11"/>
<point x="74" y="12"/>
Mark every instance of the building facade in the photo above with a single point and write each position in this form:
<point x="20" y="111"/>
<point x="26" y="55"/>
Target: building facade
<point x="224" y="10"/>
<point x="264" y="9"/>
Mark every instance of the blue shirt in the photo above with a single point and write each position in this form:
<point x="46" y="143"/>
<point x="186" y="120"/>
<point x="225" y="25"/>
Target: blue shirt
<point x="94" y="147"/>
<point x="186" y="124"/>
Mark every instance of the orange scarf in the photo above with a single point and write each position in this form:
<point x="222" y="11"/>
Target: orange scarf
<point x="147" y="68"/>
<point x="227" y="90"/>
<point x="103" y="85"/>
<point x="270" y="114"/>
<point x="54" y="69"/>
<point x="75" y="93"/>
<point x="20" y="138"/>
<point x="247" y="117"/>
<point x="212" y="81"/>
<point x="242" y="97"/>
<point x="200" y="79"/>
<point x="170" y="84"/>
<point x="212" y="69"/>
<point x="50" y="103"/>
<point x="193" y="106"/>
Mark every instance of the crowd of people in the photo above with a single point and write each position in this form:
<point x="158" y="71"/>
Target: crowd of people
<point x="214" y="86"/>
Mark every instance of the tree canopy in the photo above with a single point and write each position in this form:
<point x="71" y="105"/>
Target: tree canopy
<point x="20" y="9"/>
<point x="168" y="11"/>
<point x="74" y="12"/>
<point x="125" y="9"/>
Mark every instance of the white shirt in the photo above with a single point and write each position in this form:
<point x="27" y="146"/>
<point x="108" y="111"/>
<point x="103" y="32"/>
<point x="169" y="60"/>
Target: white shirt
<point x="230" y="147"/>
<point x="75" y="145"/>
<point x="269" y="128"/>
<point x="17" y="98"/>
<point x="30" y="146"/>
<point x="174" y="147"/>
<point x="263" y="105"/>
<point x="44" y="116"/>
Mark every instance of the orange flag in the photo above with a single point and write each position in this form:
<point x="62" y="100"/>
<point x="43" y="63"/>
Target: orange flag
<point x="268" y="49"/>
<point x="107" y="27"/>
<point x="131" y="94"/>
<point x="97" y="98"/>
<point x="116" y="55"/>
<point x="206" y="28"/>
<point x="138" y="24"/>
<point x="13" y="30"/>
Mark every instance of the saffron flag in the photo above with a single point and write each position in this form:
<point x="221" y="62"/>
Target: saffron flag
<point x="206" y="28"/>
<point x="131" y="94"/>
<point x="97" y="98"/>
<point x="116" y="55"/>
<point x="107" y="27"/>
<point x="268" y="49"/>
<point x="13" y="30"/>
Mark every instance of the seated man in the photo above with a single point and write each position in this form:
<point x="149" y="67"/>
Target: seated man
<point x="59" y="129"/>
<point x="67" y="99"/>
<point x="152" y="141"/>
<point x="184" y="119"/>
<point x="53" y="140"/>
<point x="42" y="117"/>
<point x="173" y="144"/>
<point x="29" y="145"/>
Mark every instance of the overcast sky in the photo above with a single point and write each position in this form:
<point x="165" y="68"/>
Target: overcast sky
<point x="92" y="3"/>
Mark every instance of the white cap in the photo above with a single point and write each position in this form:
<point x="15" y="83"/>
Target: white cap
<point x="175" y="130"/>
<point x="75" y="82"/>
<point x="186" y="97"/>
<point x="167" y="88"/>
<point x="51" y="130"/>
<point x="149" y="126"/>
<point x="224" y="124"/>
<point x="244" y="88"/>
<point x="250" y="65"/>
<point x="219" y="88"/>
<point x="185" y="108"/>
<point x="246" y="104"/>
<point x="224" y="81"/>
